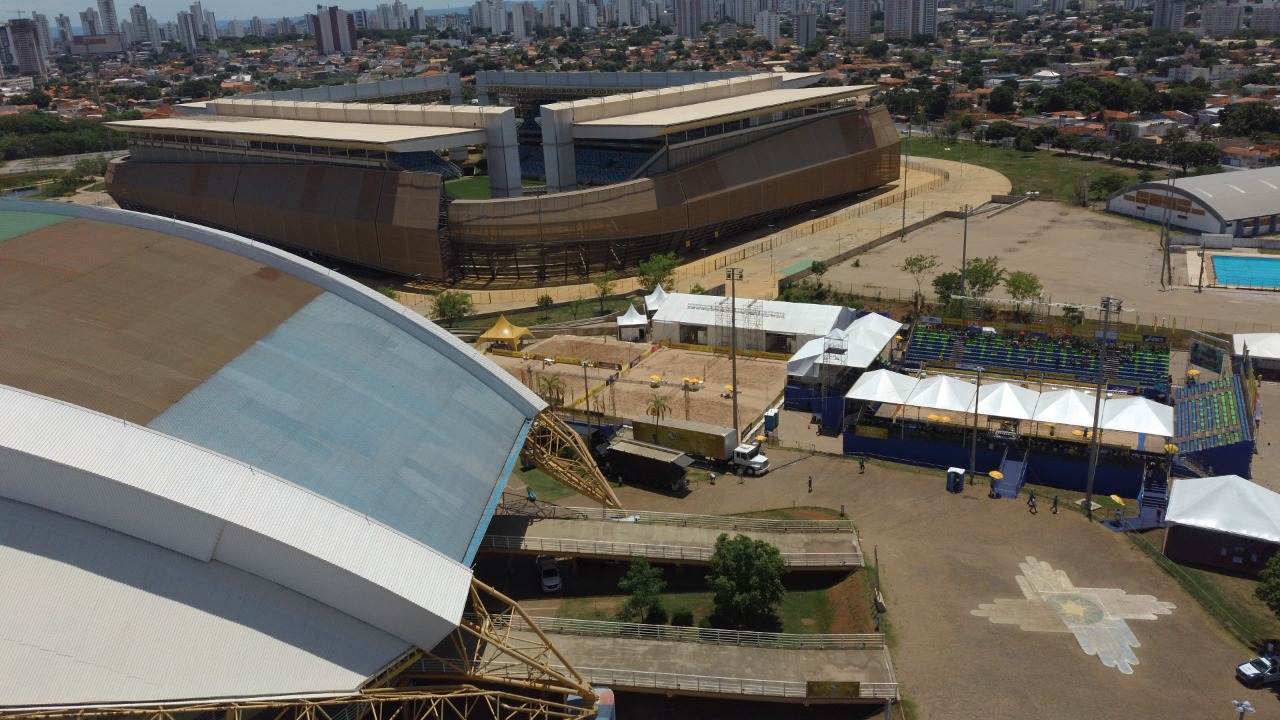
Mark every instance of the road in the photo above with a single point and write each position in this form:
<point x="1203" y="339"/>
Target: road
<point x="61" y="162"/>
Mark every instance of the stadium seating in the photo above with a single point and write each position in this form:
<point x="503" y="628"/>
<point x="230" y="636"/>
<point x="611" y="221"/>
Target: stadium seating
<point x="427" y="162"/>
<point x="603" y="167"/>
<point x="1210" y="414"/>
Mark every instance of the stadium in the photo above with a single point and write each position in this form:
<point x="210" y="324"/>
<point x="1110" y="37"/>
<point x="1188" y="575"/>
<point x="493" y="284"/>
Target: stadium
<point x="226" y="487"/>
<point x="587" y="172"/>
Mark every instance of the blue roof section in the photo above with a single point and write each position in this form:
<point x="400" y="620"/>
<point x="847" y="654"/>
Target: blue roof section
<point x="346" y="404"/>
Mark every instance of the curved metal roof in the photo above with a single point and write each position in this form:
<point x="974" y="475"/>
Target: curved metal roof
<point x="1228" y="195"/>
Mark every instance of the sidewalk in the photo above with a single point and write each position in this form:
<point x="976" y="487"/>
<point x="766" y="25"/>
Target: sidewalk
<point x="765" y="260"/>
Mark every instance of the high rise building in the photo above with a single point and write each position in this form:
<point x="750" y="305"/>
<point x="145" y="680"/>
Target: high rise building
<point x="90" y="24"/>
<point x="1021" y="7"/>
<point x="210" y="25"/>
<point x="24" y="36"/>
<point x="235" y="29"/>
<point x="689" y="18"/>
<point x="924" y="17"/>
<point x="43" y="34"/>
<point x="401" y="13"/>
<point x="335" y="30"/>
<point x="626" y="12"/>
<point x="897" y="18"/>
<point x="110" y="22"/>
<point x="188" y="35"/>
<point x="1266" y="17"/>
<point x="1219" y="19"/>
<point x="64" y="33"/>
<point x="257" y="27"/>
<point x="1170" y="15"/>
<point x="857" y="20"/>
<point x="197" y="20"/>
<point x="141" y="23"/>
<point x="767" y="25"/>
<point x="806" y="29"/>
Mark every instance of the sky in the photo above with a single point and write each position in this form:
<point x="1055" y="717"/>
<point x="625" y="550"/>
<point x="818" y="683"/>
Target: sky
<point x="166" y="10"/>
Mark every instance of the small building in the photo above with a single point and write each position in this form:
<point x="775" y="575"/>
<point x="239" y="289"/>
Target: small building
<point x="766" y="325"/>
<point x="1238" y="204"/>
<point x="1225" y="522"/>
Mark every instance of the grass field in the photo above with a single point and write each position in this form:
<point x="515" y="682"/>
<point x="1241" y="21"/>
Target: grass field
<point x="1048" y="172"/>
<point x="475" y="188"/>
<point x="548" y="490"/>
<point x="24" y="179"/>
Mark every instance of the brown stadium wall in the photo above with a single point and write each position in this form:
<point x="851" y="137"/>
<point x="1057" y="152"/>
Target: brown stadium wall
<point x="377" y="218"/>
<point x="568" y="236"/>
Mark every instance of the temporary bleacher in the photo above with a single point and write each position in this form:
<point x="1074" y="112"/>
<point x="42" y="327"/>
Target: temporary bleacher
<point x="1209" y="415"/>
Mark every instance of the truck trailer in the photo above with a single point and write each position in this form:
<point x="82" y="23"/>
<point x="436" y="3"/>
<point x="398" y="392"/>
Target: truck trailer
<point x="641" y="463"/>
<point x="718" y="444"/>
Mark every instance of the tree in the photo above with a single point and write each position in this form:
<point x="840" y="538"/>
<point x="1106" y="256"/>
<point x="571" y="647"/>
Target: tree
<point x="917" y="266"/>
<point x="1249" y="119"/>
<point x="1003" y="100"/>
<point x="1025" y="143"/>
<point x="658" y="407"/>
<point x="982" y="275"/>
<point x="745" y="581"/>
<point x="657" y="270"/>
<point x="551" y="388"/>
<point x="1268" y="589"/>
<point x="1023" y="286"/>
<point x="545" y="301"/>
<point x="1193" y="154"/>
<point x="605" y="284"/>
<point x="946" y="285"/>
<point x="643" y="584"/>
<point x="819" y="268"/>
<point x="451" y="306"/>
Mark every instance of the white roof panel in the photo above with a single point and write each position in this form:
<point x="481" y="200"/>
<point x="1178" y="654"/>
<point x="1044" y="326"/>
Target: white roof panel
<point x="784" y="318"/>
<point x="1065" y="407"/>
<point x="1227" y="503"/>
<point x="671" y="119"/>
<point x="1137" y="415"/>
<point x="883" y="386"/>
<point x="632" y="318"/>
<point x="400" y="138"/>
<point x="1007" y="400"/>
<point x="943" y="392"/>
<point x="1261" y="345"/>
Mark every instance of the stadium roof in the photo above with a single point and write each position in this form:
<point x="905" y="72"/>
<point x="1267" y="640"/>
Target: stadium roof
<point x="684" y="117"/>
<point x="374" y="136"/>
<point x="1231" y="195"/>
<point x="267" y="477"/>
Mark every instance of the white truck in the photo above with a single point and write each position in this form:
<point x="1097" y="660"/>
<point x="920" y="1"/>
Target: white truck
<point x="1264" y="670"/>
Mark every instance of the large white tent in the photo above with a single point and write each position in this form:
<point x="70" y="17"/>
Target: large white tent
<point x="943" y="392"/>
<point x="1006" y="400"/>
<point x="1261" y="345"/>
<point x="1138" y="415"/>
<point x="884" y="386"/>
<point x="856" y="346"/>
<point x="705" y="320"/>
<point x="654" y="300"/>
<point x="1065" y="407"/>
<point x="1227" y="503"/>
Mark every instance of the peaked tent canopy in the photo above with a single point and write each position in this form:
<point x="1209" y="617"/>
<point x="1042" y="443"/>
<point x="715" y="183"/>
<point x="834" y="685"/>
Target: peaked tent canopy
<point x="867" y="337"/>
<point x="1261" y="345"/>
<point x="942" y="392"/>
<point x="1137" y="414"/>
<point x="1228" y="504"/>
<point x="504" y="332"/>
<point x="1007" y="400"/>
<point x="1065" y="407"/>
<point x="653" y="301"/>
<point x="883" y="386"/>
<point x="632" y="318"/>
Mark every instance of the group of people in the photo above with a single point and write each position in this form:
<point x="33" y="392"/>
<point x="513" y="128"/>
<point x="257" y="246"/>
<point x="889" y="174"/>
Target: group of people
<point x="1033" y="506"/>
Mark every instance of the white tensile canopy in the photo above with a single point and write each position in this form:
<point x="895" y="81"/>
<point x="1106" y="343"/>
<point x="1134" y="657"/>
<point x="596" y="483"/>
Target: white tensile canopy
<point x="1007" y="400"/>
<point x="1138" y="415"/>
<point x="632" y="318"/>
<point x="883" y="386"/>
<point x="1261" y="345"/>
<point x="942" y="392"/>
<point x="1065" y="407"/>
<point x="1227" y="503"/>
<point x="653" y="301"/>
<point x="859" y="346"/>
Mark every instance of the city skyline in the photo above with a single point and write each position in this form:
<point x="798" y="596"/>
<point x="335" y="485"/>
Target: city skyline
<point x="226" y="10"/>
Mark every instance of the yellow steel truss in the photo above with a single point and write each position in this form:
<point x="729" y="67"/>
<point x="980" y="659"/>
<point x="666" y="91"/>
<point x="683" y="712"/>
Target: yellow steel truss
<point x="560" y="452"/>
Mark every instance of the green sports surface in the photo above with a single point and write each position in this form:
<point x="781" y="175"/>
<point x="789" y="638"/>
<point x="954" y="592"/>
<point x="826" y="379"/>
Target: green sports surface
<point x="14" y="224"/>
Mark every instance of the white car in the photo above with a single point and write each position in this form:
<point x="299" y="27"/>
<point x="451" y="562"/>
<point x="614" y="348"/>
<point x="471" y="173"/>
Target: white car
<point x="550" y="573"/>
<point x="1259" y="671"/>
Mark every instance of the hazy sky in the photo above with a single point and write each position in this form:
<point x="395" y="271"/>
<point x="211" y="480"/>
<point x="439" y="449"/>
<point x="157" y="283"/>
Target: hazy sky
<point x="166" y="10"/>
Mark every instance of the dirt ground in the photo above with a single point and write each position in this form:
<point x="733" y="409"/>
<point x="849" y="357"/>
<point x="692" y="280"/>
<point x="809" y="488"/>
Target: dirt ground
<point x="943" y="555"/>
<point x="1079" y="256"/>
<point x="602" y="348"/>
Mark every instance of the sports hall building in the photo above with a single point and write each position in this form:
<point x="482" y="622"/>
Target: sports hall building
<point x="232" y="478"/>
<point x="614" y="173"/>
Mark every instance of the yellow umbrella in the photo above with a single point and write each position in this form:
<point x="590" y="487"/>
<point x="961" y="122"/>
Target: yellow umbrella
<point x="655" y="378"/>
<point x="944" y="418"/>
<point x="1171" y="448"/>
<point x="1119" y="500"/>
<point x="729" y="388"/>
<point x="996" y="474"/>
<point x="934" y="417"/>
<point x="1078" y="433"/>
<point x="1193" y="372"/>
<point x="761" y="438"/>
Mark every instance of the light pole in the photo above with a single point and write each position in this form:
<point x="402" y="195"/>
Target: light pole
<point x="1242" y="707"/>
<point x="973" y="446"/>
<point x="733" y="275"/>
<point x="1109" y="305"/>
<point x="1203" y="259"/>
<point x="586" y="398"/>
<point x="964" y="259"/>
<point x="905" y="159"/>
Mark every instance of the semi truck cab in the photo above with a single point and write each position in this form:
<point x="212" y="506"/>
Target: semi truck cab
<point x="748" y="457"/>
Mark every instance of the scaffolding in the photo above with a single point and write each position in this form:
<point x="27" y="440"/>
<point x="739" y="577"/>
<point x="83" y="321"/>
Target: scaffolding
<point x="749" y="320"/>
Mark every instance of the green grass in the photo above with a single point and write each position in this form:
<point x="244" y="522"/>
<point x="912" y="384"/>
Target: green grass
<point x="798" y="513"/>
<point x="99" y="186"/>
<point x="805" y="611"/>
<point x="1048" y="172"/>
<point x="548" y="490"/>
<point x="25" y="179"/>
<point x="590" y="308"/>
<point x="475" y="188"/>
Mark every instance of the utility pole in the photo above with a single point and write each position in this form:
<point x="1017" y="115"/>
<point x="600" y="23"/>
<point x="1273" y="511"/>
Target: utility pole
<point x="973" y="446"/>
<point x="1203" y="259"/>
<point x="733" y="275"/>
<point x="905" y="159"/>
<point x="964" y="259"/>
<point x="1109" y="305"/>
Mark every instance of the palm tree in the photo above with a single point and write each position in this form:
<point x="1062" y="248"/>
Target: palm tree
<point x="551" y="388"/>
<point x="658" y="407"/>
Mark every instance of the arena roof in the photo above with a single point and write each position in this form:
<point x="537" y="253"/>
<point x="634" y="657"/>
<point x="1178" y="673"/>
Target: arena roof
<point x="377" y="136"/>
<point x="1230" y="195"/>
<point x="675" y="119"/>
<point x="309" y="465"/>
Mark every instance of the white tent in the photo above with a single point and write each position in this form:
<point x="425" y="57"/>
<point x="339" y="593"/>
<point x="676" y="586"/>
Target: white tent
<point x="653" y="301"/>
<point x="807" y="359"/>
<point x="867" y="337"/>
<point x="883" y="386"/>
<point x="1261" y="345"/>
<point x="1007" y="400"/>
<point x="942" y="392"/>
<point x="631" y="324"/>
<point x="1138" y="415"/>
<point x="1065" y="407"/>
<point x="1228" y="504"/>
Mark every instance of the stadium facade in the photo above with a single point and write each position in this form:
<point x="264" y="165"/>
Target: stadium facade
<point x="227" y="472"/>
<point x="620" y="176"/>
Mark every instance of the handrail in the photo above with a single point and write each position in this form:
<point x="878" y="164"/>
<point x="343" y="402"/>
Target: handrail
<point x="677" y="682"/>
<point x="705" y="636"/>
<point x="725" y="522"/>
<point x="680" y="553"/>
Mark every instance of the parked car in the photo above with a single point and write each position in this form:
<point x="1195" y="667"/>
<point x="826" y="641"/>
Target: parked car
<point x="550" y="573"/>
<point x="1259" y="671"/>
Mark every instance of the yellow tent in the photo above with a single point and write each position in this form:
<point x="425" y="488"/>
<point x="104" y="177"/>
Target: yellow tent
<point x="504" y="332"/>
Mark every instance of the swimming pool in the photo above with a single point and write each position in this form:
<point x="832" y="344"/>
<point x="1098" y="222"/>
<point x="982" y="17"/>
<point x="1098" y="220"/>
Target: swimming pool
<point x="1247" y="271"/>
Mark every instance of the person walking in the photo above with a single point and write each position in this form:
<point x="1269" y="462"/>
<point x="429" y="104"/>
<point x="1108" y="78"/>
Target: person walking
<point x="1031" y="498"/>
<point x="862" y="464"/>
<point x="810" y="483"/>
<point x="1032" y="505"/>
<point x="1055" y="505"/>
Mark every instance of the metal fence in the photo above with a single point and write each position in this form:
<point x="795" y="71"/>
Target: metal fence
<point x="713" y="522"/>
<point x="701" y="684"/>
<point x="705" y="636"/>
<point x="674" y="553"/>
